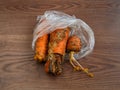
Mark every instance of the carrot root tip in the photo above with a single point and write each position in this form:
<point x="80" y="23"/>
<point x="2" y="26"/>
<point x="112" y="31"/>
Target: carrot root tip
<point x="77" y="66"/>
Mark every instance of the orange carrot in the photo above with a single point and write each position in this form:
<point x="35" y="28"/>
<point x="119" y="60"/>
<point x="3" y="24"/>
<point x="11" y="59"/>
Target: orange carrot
<point x="73" y="46"/>
<point x="57" y="47"/>
<point x="41" y="48"/>
<point x="58" y="40"/>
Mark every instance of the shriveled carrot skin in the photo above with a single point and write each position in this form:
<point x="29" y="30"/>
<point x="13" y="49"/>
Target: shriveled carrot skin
<point x="74" y="44"/>
<point x="47" y="66"/>
<point x="57" y="47"/>
<point x="41" y="48"/>
<point x="54" y="65"/>
<point x="58" y="40"/>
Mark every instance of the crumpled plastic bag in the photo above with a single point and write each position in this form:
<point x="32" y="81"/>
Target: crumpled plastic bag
<point x="52" y="20"/>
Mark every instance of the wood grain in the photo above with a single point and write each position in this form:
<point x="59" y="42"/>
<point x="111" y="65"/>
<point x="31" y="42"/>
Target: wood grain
<point x="18" y="70"/>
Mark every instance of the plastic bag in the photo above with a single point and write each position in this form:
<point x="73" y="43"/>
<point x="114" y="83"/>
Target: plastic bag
<point x="52" y="20"/>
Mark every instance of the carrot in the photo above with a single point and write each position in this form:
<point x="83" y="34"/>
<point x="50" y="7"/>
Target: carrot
<point x="41" y="48"/>
<point x="73" y="46"/>
<point x="58" y="40"/>
<point x="57" y="47"/>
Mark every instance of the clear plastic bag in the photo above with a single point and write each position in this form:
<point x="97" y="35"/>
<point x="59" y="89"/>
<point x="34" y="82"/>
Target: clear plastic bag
<point x="52" y="20"/>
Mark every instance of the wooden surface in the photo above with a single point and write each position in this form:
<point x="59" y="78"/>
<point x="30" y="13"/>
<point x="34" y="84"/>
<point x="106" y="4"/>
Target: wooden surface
<point x="18" y="70"/>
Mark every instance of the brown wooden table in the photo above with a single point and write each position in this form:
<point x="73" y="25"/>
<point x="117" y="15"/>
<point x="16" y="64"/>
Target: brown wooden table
<point x="18" y="70"/>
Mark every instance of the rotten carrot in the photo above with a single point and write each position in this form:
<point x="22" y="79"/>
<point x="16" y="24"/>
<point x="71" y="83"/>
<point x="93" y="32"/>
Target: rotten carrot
<point x="56" y="51"/>
<point x="41" y="48"/>
<point x="73" y="46"/>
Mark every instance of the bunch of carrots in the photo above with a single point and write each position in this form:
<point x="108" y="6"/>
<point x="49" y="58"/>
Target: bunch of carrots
<point x="51" y="49"/>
